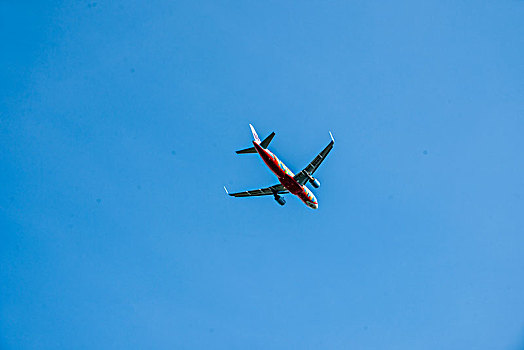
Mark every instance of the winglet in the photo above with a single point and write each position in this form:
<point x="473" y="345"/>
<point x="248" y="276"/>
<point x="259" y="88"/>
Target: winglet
<point x="332" y="139"/>
<point x="255" y="136"/>
<point x="226" y="190"/>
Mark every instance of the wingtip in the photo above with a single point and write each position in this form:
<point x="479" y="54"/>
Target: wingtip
<point x="225" y="189"/>
<point x="332" y="139"/>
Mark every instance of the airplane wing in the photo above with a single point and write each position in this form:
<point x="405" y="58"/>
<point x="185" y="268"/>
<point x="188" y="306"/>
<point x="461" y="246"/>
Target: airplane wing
<point x="276" y="189"/>
<point x="303" y="176"/>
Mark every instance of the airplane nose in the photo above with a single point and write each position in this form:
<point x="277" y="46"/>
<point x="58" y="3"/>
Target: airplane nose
<point x="312" y="205"/>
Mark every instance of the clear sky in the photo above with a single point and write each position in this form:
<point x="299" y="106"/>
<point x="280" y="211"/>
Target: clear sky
<point x="118" y="126"/>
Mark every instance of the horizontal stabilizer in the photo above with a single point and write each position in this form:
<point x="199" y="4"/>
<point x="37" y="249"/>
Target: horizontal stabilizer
<point x="267" y="140"/>
<point x="247" y="150"/>
<point x="263" y="144"/>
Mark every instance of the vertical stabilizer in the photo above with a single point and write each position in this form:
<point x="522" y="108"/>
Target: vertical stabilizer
<point x="255" y="136"/>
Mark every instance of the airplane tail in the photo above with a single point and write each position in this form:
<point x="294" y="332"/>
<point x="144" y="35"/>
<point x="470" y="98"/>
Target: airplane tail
<point x="255" y="136"/>
<point x="263" y="144"/>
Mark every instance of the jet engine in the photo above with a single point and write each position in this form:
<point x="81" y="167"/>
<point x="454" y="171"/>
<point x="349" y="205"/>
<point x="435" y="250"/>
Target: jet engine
<point x="314" y="182"/>
<point x="280" y="200"/>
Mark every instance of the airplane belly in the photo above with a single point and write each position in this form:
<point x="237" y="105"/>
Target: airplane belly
<point x="274" y="167"/>
<point x="285" y="176"/>
<point x="290" y="184"/>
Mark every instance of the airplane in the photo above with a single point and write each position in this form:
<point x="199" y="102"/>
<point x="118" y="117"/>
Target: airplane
<point x="289" y="182"/>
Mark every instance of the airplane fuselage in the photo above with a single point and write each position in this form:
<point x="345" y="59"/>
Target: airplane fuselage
<point x="286" y="176"/>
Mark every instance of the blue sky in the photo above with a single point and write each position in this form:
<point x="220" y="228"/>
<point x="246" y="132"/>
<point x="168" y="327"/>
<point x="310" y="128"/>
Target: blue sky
<point x="118" y="126"/>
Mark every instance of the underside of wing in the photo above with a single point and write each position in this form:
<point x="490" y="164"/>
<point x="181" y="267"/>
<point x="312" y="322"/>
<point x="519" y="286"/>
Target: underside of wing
<point x="276" y="189"/>
<point x="303" y="176"/>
